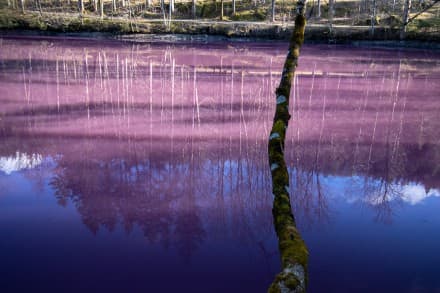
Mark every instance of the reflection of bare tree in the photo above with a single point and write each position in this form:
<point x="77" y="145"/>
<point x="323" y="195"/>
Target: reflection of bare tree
<point x="168" y="137"/>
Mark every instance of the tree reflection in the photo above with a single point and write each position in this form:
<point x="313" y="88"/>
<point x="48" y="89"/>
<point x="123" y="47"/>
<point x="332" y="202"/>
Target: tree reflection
<point x="169" y="138"/>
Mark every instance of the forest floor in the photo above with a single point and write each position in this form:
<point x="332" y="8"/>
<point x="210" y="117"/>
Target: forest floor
<point x="248" y="21"/>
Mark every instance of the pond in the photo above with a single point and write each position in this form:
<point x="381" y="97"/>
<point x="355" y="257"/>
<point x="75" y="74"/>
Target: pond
<point x="142" y="167"/>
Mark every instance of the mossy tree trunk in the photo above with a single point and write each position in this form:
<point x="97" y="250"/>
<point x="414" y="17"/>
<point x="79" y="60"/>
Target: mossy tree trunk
<point x="293" y="251"/>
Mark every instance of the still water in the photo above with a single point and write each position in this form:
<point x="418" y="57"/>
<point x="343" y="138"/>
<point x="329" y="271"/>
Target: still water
<point x="142" y="167"/>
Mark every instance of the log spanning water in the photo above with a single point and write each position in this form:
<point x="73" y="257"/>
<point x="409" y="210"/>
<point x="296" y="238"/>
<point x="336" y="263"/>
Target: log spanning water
<point x="293" y="250"/>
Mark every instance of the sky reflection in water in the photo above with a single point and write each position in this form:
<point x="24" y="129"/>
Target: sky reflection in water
<point x="143" y="167"/>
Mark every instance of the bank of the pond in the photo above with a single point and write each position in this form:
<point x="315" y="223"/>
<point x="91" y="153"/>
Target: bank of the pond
<point x="72" y="23"/>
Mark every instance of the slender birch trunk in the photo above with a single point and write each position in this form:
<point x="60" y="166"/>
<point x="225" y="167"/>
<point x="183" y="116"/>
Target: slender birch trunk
<point x="405" y="18"/>
<point x="293" y="250"/>
<point x="81" y="7"/>
<point x="194" y="7"/>
<point x="101" y="8"/>
<point x="273" y="10"/>
<point x="319" y="9"/>
<point x="373" y="17"/>
<point x="331" y="12"/>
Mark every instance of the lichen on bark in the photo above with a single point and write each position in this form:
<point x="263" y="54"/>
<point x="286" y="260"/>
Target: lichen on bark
<point x="293" y="251"/>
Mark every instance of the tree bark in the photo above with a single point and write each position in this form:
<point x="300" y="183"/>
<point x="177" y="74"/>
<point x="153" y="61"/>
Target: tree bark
<point x="233" y="7"/>
<point x="293" y="250"/>
<point x="194" y="8"/>
<point x="273" y="10"/>
<point x="331" y="12"/>
<point x="81" y="7"/>
<point x="222" y="10"/>
<point x="405" y="17"/>
<point x="22" y="3"/>
<point x="319" y="9"/>
<point x="373" y="18"/>
<point x="101" y="8"/>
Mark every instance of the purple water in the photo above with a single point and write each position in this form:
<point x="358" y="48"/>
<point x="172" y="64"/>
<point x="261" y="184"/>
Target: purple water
<point x="143" y="168"/>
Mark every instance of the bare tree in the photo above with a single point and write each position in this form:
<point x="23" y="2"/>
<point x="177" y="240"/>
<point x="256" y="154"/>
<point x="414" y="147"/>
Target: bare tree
<point x="273" y="10"/>
<point x="406" y="13"/>
<point x="171" y="7"/>
<point x="319" y="9"/>
<point x="373" y="17"/>
<point x="405" y="18"/>
<point x="101" y="8"/>
<point x="81" y="7"/>
<point x="194" y="8"/>
<point x="331" y="12"/>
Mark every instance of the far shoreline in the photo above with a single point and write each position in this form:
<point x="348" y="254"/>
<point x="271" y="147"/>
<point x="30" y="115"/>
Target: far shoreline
<point x="51" y="24"/>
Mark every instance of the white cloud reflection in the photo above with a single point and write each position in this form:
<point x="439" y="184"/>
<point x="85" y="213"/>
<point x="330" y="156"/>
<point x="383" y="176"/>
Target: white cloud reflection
<point x="19" y="162"/>
<point x="412" y="193"/>
<point x="416" y="193"/>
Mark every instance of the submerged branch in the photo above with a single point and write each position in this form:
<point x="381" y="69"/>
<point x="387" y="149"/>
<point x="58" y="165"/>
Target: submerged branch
<point x="293" y="250"/>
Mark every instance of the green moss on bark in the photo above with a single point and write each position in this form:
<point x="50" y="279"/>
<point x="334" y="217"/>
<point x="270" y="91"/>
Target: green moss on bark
<point x="293" y="250"/>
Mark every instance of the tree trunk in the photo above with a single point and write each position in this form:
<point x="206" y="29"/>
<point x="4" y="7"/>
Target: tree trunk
<point x="405" y="17"/>
<point x="293" y="250"/>
<point x="113" y="5"/>
<point x="331" y="12"/>
<point x="81" y="7"/>
<point x="170" y="12"/>
<point x="233" y="7"/>
<point x="222" y="10"/>
<point x="319" y="9"/>
<point x="273" y="10"/>
<point x="194" y="8"/>
<point x="101" y="8"/>
<point x="373" y="18"/>
<point x="22" y="3"/>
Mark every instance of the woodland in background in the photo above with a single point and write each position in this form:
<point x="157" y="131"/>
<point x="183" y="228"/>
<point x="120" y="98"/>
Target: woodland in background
<point x="405" y="15"/>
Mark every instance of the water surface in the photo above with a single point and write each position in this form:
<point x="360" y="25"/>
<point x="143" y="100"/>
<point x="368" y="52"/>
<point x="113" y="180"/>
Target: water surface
<point x="143" y="167"/>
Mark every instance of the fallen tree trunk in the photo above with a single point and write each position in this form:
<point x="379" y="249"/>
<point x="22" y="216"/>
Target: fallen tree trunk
<point x="293" y="251"/>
